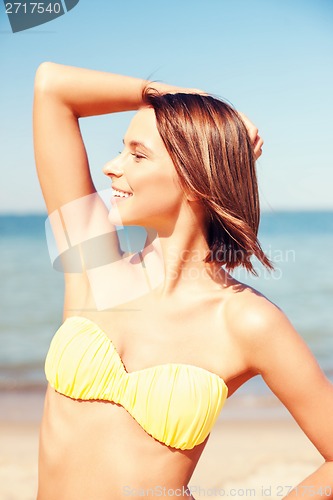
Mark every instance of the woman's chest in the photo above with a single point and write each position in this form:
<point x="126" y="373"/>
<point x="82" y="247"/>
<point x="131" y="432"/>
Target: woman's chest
<point x="148" y="333"/>
<point x="188" y="328"/>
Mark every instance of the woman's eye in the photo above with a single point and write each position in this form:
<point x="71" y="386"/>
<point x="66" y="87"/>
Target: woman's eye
<point x="137" y="156"/>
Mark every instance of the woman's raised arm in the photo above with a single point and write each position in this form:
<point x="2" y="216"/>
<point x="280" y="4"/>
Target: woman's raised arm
<point x="63" y="94"/>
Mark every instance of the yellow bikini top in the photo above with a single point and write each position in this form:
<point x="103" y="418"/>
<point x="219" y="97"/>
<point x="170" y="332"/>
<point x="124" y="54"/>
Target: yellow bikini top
<point x="175" y="403"/>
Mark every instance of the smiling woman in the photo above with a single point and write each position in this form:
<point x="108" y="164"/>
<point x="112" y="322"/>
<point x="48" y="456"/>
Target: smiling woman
<point x="154" y="341"/>
<point x="158" y="198"/>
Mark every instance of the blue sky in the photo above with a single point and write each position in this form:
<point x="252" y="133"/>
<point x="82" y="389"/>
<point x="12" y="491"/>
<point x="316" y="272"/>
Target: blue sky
<point x="272" y="59"/>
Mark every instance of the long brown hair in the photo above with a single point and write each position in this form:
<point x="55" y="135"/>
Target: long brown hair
<point x="213" y="156"/>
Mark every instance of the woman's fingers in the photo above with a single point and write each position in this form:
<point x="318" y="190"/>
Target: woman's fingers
<point x="257" y="146"/>
<point x="252" y="130"/>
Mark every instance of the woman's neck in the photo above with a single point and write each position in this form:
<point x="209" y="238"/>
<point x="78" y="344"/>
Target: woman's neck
<point x="177" y="261"/>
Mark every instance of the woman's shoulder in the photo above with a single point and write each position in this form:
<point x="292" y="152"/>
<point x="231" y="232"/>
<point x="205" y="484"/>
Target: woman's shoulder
<point x="250" y="315"/>
<point x="259" y="328"/>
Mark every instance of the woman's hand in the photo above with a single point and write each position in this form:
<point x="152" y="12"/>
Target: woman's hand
<point x="252" y="130"/>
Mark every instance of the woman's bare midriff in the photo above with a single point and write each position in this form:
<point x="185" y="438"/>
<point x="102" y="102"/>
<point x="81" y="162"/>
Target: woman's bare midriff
<point x="95" y="450"/>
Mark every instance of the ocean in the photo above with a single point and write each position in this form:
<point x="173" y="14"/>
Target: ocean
<point x="299" y="243"/>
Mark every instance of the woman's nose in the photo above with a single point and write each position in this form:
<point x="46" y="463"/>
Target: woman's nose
<point x="114" y="167"/>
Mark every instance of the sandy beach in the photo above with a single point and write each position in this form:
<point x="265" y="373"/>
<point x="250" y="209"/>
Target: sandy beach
<point x="256" y="450"/>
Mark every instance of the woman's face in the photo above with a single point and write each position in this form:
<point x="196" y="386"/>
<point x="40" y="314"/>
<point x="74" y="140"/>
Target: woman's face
<point x="145" y="171"/>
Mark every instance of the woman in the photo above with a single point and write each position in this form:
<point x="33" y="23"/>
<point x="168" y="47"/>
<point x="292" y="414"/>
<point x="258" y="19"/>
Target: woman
<point x="155" y="339"/>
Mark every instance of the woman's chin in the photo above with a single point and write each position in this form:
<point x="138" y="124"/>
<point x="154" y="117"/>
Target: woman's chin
<point x="115" y="218"/>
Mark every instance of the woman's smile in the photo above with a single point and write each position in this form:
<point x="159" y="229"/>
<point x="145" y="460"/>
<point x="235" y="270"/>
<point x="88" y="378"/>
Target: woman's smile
<point x="120" y="195"/>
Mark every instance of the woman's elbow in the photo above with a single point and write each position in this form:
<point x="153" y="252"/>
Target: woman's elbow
<point x="46" y="77"/>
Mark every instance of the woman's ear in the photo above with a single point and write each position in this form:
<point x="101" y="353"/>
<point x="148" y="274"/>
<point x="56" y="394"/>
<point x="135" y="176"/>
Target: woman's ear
<point x="192" y="197"/>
